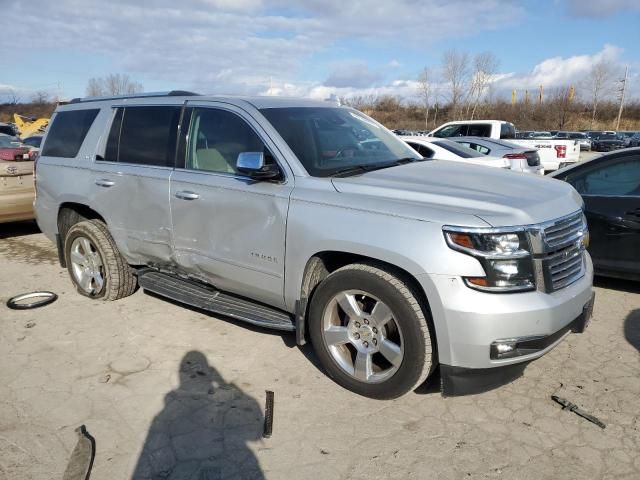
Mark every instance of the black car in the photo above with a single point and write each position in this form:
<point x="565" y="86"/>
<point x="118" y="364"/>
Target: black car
<point x="607" y="142"/>
<point x="610" y="188"/>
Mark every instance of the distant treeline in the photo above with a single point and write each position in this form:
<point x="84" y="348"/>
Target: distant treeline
<point x="393" y="112"/>
<point x="557" y="113"/>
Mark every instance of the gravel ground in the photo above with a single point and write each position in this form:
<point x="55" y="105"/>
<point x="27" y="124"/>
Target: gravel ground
<point x="169" y="392"/>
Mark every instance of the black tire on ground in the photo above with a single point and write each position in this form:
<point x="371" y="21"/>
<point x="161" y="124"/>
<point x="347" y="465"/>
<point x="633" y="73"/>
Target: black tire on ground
<point x="119" y="278"/>
<point x="408" y="314"/>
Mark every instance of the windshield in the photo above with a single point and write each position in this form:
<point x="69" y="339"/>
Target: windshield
<point x="460" y="150"/>
<point x="329" y="140"/>
<point x="33" y="141"/>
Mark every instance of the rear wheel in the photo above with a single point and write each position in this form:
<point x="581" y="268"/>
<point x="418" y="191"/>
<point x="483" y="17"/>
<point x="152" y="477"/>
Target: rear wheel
<point x="370" y="332"/>
<point x="94" y="263"/>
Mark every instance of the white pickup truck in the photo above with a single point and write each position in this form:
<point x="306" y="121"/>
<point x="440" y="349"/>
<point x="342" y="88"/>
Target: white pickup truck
<point x="554" y="154"/>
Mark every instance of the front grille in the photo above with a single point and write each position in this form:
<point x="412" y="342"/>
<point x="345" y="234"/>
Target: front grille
<point x="564" y="231"/>
<point x="561" y="261"/>
<point x="564" y="267"/>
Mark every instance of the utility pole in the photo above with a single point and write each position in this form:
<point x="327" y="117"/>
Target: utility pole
<point x="622" y="90"/>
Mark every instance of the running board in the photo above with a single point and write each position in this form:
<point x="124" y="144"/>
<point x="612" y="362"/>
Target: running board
<point x="208" y="298"/>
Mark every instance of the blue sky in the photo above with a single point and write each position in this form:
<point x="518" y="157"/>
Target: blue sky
<point x="311" y="48"/>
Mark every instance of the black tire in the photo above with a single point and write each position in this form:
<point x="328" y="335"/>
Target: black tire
<point x="119" y="278"/>
<point x="408" y="314"/>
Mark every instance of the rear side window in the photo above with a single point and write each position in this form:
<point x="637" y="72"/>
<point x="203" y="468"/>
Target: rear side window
<point x="478" y="148"/>
<point x="507" y="130"/>
<point x="426" y="152"/>
<point x="67" y="133"/>
<point x="480" y="130"/>
<point x="144" y="136"/>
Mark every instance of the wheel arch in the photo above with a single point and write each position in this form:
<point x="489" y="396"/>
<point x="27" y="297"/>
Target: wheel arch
<point x="321" y="264"/>
<point x="70" y="213"/>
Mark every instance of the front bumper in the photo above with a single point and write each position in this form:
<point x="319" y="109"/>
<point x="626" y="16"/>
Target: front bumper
<point x="465" y="381"/>
<point x="468" y="321"/>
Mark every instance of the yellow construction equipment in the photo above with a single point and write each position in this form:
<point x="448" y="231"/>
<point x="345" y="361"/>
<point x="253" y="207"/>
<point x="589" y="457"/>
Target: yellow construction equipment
<point x="29" y="126"/>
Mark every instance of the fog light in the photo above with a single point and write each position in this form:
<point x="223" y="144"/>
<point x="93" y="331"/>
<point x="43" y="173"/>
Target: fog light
<point x="503" y="349"/>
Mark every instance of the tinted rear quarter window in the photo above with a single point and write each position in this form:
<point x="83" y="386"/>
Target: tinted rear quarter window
<point x="480" y="130"/>
<point x="67" y="132"/>
<point x="144" y="136"/>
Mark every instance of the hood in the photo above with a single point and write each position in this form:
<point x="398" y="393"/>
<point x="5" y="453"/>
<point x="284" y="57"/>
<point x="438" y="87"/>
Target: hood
<point x="497" y="196"/>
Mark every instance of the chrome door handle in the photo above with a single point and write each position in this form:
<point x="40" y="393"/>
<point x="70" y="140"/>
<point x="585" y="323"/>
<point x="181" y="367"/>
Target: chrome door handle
<point x="185" y="195"/>
<point x="103" y="182"/>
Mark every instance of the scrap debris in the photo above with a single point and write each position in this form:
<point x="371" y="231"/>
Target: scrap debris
<point x="268" y="415"/>
<point x="572" y="407"/>
<point x="81" y="461"/>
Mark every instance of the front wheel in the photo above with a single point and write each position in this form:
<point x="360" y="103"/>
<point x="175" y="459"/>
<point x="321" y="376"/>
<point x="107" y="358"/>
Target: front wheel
<point x="370" y="332"/>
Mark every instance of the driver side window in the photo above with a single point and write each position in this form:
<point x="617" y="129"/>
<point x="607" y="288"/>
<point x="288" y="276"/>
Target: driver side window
<point x="614" y="179"/>
<point x="216" y="138"/>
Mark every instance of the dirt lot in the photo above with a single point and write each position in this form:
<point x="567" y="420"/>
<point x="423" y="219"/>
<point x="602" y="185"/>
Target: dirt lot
<point x="169" y="392"/>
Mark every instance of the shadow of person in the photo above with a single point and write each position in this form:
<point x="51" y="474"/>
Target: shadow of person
<point x="632" y="328"/>
<point x="203" y="430"/>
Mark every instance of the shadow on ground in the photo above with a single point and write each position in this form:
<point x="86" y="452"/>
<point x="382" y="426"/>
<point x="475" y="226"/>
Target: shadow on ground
<point x="18" y="229"/>
<point x="617" y="284"/>
<point x="632" y="328"/>
<point x="288" y="338"/>
<point x="203" y="431"/>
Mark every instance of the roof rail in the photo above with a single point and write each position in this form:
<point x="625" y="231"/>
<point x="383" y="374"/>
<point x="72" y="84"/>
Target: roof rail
<point x="172" y="93"/>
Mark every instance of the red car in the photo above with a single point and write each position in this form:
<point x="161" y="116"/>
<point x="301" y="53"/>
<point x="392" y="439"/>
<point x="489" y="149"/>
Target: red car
<point x="12" y="149"/>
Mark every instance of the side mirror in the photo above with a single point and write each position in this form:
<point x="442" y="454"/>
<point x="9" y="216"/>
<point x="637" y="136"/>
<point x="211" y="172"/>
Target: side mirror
<point x="253" y="165"/>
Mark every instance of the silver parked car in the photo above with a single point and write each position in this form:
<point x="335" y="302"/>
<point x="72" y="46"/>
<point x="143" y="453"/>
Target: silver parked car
<point x="308" y="217"/>
<point x="525" y="159"/>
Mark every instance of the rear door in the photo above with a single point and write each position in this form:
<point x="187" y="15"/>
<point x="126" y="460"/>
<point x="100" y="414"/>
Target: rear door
<point x="611" y="193"/>
<point x="228" y="229"/>
<point x="131" y="180"/>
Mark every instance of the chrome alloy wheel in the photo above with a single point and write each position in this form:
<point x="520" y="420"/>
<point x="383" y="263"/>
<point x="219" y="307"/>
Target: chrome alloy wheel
<point x="86" y="265"/>
<point x="362" y="336"/>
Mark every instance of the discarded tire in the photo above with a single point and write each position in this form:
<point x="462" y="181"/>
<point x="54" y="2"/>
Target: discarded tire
<point x="42" y="299"/>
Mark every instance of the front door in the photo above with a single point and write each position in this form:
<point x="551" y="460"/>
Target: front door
<point x="611" y="193"/>
<point x="228" y="229"/>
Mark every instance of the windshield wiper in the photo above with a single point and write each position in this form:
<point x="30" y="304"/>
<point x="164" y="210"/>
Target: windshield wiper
<point x="346" y="172"/>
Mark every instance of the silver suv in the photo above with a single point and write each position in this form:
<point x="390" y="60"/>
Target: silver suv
<point x="309" y="217"/>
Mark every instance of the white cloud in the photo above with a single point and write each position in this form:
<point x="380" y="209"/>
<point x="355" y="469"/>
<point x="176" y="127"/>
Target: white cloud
<point x="557" y="71"/>
<point x="235" y="46"/>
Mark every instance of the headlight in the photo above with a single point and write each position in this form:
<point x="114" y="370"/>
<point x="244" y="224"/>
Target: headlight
<point x="504" y="256"/>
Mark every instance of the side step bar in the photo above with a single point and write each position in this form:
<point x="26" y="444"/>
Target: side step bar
<point x="208" y="298"/>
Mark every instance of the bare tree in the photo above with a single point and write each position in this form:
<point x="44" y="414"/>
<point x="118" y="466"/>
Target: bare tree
<point x="455" y="72"/>
<point x="485" y="66"/>
<point x="113" y="84"/>
<point x="94" y="88"/>
<point x="425" y="89"/>
<point x="599" y="83"/>
<point x="12" y="97"/>
<point x="561" y="105"/>
<point x="40" y="97"/>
